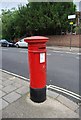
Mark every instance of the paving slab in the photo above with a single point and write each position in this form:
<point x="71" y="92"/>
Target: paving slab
<point x="3" y="104"/>
<point x="73" y="106"/>
<point x="1" y="86"/>
<point x="25" y="108"/>
<point x="25" y="83"/>
<point x="17" y="84"/>
<point x="7" y="82"/>
<point x="77" y="110"/>
<point x="52" y="94"/>
<point x="9" y="88"/>
<point x="0" y="103"/>
<point x="80" y="110"/>
<point x="12" y="78"/>
<point x="23" y="90"/>
<point x="11" y="97"/>
<point x="22" y="82"/>
<point x="6" y="76"/>
<point x="4" y="79"/>
<point x="2" y="93"/>
<point x="1" y="81"/>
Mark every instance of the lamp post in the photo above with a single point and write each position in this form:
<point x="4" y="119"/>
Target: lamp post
<point x="71" y="23"/>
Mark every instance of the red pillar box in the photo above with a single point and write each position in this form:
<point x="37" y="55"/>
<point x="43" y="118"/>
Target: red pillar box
<point x="37" y="66"/>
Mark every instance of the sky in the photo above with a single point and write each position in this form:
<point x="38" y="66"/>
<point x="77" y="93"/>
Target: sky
<point x="8" y="4"/>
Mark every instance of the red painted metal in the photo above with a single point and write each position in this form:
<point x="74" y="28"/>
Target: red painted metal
<point x="37" y="46"/>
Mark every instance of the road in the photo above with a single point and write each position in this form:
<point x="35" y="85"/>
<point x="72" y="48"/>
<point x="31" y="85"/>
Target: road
<point x="62" y="67"/>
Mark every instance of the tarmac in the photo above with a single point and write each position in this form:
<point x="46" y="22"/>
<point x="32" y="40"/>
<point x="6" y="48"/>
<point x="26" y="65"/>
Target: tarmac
<point x="15" y="100"/>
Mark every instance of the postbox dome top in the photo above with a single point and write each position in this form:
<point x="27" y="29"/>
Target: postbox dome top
<point x="36" y="39"/>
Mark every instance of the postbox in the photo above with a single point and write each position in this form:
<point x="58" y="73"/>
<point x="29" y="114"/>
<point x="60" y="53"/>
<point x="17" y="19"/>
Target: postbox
<point x="37" y="67"/>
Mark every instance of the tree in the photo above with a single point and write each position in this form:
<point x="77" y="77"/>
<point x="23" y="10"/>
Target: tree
<point x="7" y="25"/>
<point x="39" y="18"/>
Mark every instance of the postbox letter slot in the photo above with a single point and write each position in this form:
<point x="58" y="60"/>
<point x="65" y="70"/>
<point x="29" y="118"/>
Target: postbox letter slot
<point x="42" y="48"/>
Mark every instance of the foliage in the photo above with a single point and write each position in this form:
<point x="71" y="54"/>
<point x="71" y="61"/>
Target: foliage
<point x="78" y="29"/>
<point x="39" y="18"/>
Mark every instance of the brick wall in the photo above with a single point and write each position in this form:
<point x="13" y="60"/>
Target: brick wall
<point x="64" y="40"/>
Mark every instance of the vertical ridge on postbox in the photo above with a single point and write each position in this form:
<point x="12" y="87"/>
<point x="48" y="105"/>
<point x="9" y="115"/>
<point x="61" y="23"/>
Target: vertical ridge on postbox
<point x="37" y="66"/>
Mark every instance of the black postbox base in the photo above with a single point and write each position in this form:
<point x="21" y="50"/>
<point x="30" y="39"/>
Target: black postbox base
<point x="38" y="95"/>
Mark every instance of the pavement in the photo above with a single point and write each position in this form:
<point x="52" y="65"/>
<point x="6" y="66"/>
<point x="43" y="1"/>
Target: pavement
<point x="15" y="101"/>
<point x="62" y="48"/>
